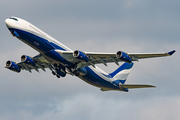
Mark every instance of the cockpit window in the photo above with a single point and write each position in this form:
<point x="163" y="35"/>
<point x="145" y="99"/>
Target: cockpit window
<point x="13" y="18"/>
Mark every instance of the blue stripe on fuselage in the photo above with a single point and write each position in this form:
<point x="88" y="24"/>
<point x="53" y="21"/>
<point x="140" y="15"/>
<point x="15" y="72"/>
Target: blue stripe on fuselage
<point x="94" y="79"/>
<point x="41" y="44"/>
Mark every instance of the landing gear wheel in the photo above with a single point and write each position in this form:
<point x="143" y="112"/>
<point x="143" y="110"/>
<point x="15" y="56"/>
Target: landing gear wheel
<point x="53" y="73"/>
<point x="57" y="76"/>
<point x="76" y="73"/>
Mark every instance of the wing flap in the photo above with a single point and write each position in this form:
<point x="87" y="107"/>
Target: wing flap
<point x="131" y="86"/>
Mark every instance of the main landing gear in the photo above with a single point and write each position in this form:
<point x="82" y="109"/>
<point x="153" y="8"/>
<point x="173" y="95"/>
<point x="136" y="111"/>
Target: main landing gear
<point x="59" y="71"/>
<point x="57" y="76"/>
<point x="76" y="73"/>
<point x="54" y="73"/>
<point x="72" y="71"/>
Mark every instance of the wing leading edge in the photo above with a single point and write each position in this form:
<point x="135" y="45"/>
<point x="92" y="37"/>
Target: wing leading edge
<point x="104" y="58"/>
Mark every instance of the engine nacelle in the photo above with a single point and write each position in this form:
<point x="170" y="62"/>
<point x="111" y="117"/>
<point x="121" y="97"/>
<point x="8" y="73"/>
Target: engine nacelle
<point x="13" y="66"/>
<point x="80" y="55"/>
<point x="26" y="59"/>
<point x="82" y="71"/>
<point x="123" y="56"/>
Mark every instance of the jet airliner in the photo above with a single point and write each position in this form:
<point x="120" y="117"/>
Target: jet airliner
<point x="61" y="60"/>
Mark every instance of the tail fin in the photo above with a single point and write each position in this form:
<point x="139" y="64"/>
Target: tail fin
<point x="120" y="75"/>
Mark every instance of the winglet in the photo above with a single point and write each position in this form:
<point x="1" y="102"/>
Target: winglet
<point x="171" y="52"/>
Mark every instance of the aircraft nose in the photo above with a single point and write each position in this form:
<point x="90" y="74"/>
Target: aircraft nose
<point x="7" y="21"/>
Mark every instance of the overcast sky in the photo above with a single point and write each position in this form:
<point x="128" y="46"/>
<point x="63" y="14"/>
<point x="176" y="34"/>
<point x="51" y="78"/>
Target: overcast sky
<point x="95" y="26"/>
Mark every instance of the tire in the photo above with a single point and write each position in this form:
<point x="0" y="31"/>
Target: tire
<point x="57" y="76"/>
<point x="76" y="73"/>
<point x="53" y="73"/>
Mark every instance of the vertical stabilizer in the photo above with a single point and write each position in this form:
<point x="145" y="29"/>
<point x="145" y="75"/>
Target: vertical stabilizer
<point x="120" y="75"/>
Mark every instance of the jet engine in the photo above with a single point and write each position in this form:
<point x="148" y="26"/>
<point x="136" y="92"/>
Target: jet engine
<point x="123" y="56"/>
<point x="26" y="59"/>
<point x="80" y="55"/>
<point x="13" y="66"/>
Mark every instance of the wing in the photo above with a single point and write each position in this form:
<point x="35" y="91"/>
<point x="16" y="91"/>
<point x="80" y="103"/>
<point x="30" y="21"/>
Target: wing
<point x="41" y="63"/>
<point x="150" y="55"/>
<point x="131" y="86"/>
<point x="104" y="58"/>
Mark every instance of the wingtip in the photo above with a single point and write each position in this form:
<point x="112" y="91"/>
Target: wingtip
<point x="171" y="52"/>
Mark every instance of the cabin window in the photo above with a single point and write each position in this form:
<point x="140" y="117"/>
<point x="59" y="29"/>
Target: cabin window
<point x="13" y="18"/>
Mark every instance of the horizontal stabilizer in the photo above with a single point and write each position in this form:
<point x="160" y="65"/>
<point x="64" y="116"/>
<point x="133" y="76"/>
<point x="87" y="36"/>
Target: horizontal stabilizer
<point x="131" y="86"/>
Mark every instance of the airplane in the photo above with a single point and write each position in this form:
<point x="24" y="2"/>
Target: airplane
<point x="61" y="60"/>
